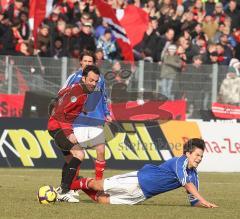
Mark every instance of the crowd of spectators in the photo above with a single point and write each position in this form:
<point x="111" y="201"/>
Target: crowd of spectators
<point x="209" y="28"/>
<point x="179" y="33"/>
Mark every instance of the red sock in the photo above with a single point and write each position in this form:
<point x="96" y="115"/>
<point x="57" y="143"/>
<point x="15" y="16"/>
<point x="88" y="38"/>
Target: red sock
<point x="80" y="183"/>
<point x="99" y="168"/>
<point x="91" y="193"/>
<point x="77" y="174"/>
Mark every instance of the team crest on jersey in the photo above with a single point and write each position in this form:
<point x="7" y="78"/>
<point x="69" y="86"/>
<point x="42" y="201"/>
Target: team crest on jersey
<point x="73" y="99"/>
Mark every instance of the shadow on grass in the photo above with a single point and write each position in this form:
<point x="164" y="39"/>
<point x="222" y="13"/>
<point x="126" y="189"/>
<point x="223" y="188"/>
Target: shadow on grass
<point x="164" y="204"/>
<point x="88" y="202"/>
<point x="142" y="204"/>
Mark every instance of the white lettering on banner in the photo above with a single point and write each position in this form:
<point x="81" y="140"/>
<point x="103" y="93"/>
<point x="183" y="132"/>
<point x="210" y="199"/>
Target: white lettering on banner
<point x="3" y="141"/>
<point x="222" y="152"/>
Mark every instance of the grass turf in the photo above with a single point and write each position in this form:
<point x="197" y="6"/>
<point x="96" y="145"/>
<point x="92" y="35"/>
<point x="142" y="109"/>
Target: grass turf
<point x="18" y="188"/>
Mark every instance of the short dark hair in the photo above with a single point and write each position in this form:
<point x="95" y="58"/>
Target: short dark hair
<point x="88" y="53"/>
<point x="89" y="68"/>
<point x="193" y="143"/>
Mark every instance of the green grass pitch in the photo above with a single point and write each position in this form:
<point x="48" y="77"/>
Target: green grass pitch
<point x="18" y="188"/>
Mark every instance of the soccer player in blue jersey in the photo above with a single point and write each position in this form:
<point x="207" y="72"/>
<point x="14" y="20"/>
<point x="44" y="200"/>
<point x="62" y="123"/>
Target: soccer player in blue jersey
<point x="151" y="180"/>
<point x="88" y="128"/>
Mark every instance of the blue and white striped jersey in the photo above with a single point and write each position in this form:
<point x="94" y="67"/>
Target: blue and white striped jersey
<point x="168" y="176"/>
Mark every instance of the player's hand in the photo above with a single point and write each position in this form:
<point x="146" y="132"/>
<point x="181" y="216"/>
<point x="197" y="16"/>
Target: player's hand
<point x="207" y="204"/>
<point x="72" y="138"/>
<point x="108" y="118"/>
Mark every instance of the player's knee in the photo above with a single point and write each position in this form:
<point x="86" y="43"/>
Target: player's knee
<point x="67" y="158"/>
<point x="79" y="154"/>
<point x="100" y="152"/>
<point x="103" y="199"/>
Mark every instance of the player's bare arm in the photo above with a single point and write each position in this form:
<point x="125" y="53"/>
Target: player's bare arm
<point x="190" y="187"/>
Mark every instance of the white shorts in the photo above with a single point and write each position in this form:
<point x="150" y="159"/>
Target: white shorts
<point x="89" y="136"/>
<point x="124" y="189"/>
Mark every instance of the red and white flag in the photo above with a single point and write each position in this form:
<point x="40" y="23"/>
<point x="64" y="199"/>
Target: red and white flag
<point x="38" y="10"/>
<point x="119" y="32"/>
<point x="135" y="22"/>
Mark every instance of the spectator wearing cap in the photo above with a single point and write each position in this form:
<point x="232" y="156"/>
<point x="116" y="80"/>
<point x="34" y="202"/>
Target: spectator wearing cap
<point x="229" y="92"/>
<point x="171" y="66"/>
<point x="108" y="46"/>
<point x="86" y="39"/>
<point x="235" y="63"/>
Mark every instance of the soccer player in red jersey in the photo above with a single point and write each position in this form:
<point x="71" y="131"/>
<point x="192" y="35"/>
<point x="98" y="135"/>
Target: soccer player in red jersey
<point x="70" y="103"/>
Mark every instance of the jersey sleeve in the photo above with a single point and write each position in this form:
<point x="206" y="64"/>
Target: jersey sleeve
<point x="195" y="181"/>
<point x="105" y="100"/>
<point x="181" y="170"/>
<point x="72" y="79"/>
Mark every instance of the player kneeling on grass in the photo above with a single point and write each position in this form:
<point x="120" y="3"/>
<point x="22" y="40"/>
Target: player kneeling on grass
<point x="151" y="180"/>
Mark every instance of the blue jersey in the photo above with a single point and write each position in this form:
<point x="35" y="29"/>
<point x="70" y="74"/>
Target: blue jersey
<point x="96" y="105"/>
<point x="170" y="175"/>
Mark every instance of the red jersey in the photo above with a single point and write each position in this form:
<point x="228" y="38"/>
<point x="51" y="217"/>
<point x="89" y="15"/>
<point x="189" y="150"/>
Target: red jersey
<point x="70" y="103"/>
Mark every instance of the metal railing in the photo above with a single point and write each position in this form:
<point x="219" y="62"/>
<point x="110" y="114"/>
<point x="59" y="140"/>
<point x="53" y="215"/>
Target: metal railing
<point x="198" y="85"/>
